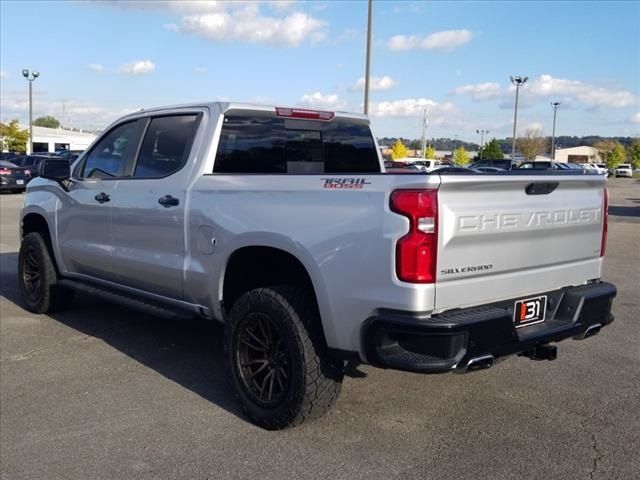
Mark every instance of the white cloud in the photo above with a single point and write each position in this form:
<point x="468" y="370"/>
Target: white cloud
<point x="568" y="92"/>
<point x="138" y="67"/>
<point x="237" y="20"/>
<point x="3" y="74"/>
<point x="409" y="107"/>
<point x="533" y="126"/>
<point x="590" y="95"/>
<point x="635" y="118"/>
<point x="480" y="91"/>
<point x="95" y="67"/>
<point x="330" y="101"/>
<point x="248" y="25"/>
<point x="446" y="40"/>
<point x="15" y="104"/>
<point x="282" y="4"/>
<point x="376" y="83"/>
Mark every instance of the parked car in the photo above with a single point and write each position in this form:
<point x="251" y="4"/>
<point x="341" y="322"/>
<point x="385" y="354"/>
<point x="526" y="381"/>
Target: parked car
<point x="7" y="155"/>
<point x="624" y="170"/>
<point x="13" y="177"/>
<point x="489" y="169"/>
<point x="573" y="166"/>
<point x="398" y="166"/>
<point x="423" y="164"/>
<point x="600" y="167"/>
<point x="543" y="165"/>
<point x="504" y="164"/>
<point x="426" y="273"/>
<point x="69" y="155"/>
<point x="454" y="169"/>
<point x="32" y="162"/>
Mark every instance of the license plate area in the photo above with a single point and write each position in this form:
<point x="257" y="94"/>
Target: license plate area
<point x="529" y="311"/>
<point x="19" y="182"/>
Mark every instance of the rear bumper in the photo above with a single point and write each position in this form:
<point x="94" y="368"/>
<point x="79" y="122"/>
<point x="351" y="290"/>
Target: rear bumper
<point x="473" y="338"/>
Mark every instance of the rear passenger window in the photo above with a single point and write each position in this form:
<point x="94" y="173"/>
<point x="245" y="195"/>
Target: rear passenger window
<point x="166" y="146"/>
<point x="113" y="153"/>
<point x="273" y="145"/>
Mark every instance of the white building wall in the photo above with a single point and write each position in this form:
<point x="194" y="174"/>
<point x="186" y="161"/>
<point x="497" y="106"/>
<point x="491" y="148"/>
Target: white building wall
<point x="562" y="154"/>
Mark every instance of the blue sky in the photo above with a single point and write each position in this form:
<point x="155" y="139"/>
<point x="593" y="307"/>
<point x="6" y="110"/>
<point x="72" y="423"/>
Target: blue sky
<point x="105" y="58"/>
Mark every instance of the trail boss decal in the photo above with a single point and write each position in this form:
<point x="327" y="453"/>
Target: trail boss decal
<point x="345" y="183"/>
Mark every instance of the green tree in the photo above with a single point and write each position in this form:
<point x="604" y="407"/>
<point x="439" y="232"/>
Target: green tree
<point x="617" y="156"/>
<point x="12" y="139"/>
<point x="604" y="147"/>
<point x="430" y="152"/>
<point x="532" y="144"/>
<point x="460" y="156"/>
<point x="634" y="153"/>
<point x="398" y="150"/>
<point x="48" y="121"/>
<point x="492" y="150"/>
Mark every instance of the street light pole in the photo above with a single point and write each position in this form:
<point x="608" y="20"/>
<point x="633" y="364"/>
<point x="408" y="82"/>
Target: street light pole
<point x="555" y="106"/>
<point x="368" y="63"/>
<point x="30" y="79"/>
<point x="518" y="82"/>
<point x="425" y="122"/>
<point x="482" y="133"/>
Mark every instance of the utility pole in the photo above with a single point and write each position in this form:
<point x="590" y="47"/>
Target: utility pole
<point x="64" y="112"/>
<point x="30" y="79"/>
<point x="425" y="122"/>
<point x="555" y="106"/>
<point x="368" y="63"/>
<point x="518" y="82"/>
<point x="482" y="133"/>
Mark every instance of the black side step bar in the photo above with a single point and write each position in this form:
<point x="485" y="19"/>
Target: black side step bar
<point x="128" y="300"/>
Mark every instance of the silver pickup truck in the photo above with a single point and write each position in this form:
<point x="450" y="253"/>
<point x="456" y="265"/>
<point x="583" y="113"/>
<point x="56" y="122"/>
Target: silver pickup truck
<point x="282" y="224"/>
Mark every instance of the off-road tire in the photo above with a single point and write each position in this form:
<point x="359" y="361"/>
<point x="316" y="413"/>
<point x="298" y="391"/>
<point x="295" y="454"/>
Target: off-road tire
<point x="35" y="256"/>
<point x="316" y="377"/>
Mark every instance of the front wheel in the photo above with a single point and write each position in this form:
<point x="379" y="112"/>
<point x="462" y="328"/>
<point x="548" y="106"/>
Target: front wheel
<point x="38" y="278"/>
<point x="276" y="358"/>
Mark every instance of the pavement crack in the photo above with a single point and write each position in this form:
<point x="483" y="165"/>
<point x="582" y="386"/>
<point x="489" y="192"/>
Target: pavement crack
<point x="597" y="455"/>
<point x="79" y="338"/>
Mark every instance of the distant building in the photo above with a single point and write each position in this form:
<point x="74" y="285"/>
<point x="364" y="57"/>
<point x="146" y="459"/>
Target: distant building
<point x="52" y="139"/>
<point x="582" y="154"/>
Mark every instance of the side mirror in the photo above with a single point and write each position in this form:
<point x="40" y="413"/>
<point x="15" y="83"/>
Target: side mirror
<point x="54" y="169"/>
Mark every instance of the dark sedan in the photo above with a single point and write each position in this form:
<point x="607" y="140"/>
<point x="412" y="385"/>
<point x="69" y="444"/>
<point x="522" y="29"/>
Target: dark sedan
<point x="31" y="162"/>
<point x="13" y="177"/>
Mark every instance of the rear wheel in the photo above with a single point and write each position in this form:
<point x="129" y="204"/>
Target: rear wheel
<point x="276" y="358"/>
<point x="38" y="278"/>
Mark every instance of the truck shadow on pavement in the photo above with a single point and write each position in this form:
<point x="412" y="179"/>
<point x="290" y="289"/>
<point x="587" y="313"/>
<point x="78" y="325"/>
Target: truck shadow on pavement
<point x="188" y="352"/>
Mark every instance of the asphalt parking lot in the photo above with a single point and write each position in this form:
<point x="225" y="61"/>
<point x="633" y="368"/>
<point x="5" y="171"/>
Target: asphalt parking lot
<point x="103" y="392"/>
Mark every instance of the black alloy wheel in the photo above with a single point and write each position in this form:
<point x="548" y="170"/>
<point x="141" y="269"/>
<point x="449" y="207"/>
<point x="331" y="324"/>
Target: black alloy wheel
<point x="32" y="275"/>
<point x="264" y="360"/>
<point x="276" y="357"/>
<point x="38" y="277"/>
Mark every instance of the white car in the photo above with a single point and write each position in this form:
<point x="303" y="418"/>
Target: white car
<point x="594" y="168"/>
<point x="424" y="164"/>
<point x="624" y="170"/>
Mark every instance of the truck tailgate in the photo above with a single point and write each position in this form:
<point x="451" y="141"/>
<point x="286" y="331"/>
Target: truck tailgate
<point x="509" y="236"/>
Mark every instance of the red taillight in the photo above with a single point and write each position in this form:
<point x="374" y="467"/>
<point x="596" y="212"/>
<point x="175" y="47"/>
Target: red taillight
<point x="416" y="252"/>
<point x="27" y="172"/>
<point x="5" y="171"/>
<point x="605" y="222"/>
<point x="302" y="113"/>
